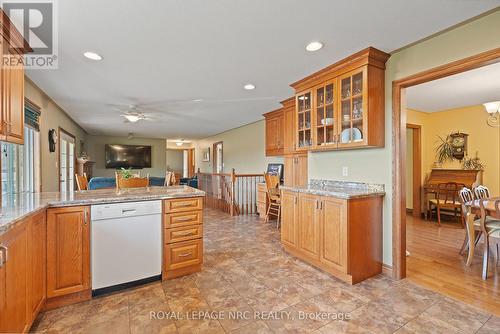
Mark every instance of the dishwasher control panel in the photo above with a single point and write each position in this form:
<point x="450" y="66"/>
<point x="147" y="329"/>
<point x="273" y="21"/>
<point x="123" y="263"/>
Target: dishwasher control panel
<point x="126" y="209"/>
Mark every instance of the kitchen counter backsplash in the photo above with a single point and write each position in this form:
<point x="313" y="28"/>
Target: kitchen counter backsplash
<point x="340" y="189"/>
<point x="19" y="206"/>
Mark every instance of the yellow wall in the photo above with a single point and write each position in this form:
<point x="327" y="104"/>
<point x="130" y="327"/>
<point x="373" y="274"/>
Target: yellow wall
<point x="52" y="117"/>
<point x="483" y="139"/>
<point x="375" y="165"/>
<point x="244" y="150"/>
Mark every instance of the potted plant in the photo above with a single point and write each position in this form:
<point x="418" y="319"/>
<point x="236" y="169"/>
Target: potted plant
<point x="473" y="163"/>
<point x="444" y="151"/>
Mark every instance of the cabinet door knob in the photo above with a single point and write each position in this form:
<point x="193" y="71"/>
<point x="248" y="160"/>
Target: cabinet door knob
<point x="3" y="255"/>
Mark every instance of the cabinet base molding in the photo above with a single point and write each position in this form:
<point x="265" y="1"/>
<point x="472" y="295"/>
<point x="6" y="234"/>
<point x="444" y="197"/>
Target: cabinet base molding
<point x="180" y="272"/>
<point x="77" y="297"/>
<point x="320" y="265"/>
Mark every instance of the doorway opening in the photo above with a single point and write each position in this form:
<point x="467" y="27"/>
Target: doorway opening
<point x="218" y="165"/>
<point x="435" y="260"/>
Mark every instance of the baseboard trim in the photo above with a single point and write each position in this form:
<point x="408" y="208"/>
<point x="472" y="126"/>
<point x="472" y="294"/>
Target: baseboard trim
<point x="387" y="270"/>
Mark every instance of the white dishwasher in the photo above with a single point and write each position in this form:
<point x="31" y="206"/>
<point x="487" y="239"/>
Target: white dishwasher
<point x="126" y="245"/>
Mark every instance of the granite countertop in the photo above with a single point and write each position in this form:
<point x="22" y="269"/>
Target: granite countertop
<point x="339" y="189"/>
<point x="16" y="207"/>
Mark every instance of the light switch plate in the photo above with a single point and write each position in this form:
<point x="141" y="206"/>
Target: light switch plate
<point x="345" y="171"/>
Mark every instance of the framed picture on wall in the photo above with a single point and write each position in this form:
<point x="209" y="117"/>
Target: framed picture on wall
<point x="206" y="154"/>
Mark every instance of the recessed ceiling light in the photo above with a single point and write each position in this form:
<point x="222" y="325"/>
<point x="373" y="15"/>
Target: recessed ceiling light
<point x="249" y="86"/>
<point x="92" y="55"/>
<point x="197" y="100"/>
<point x="314" y="46"/>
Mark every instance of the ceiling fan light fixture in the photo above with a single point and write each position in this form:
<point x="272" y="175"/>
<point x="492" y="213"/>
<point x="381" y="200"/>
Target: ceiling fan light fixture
<point x="132" y="118"/>
<point x="92" y="55"/>
<point x="492" y="107"/>
<point x="179" y="143"/>
<point x="314" y="46"/>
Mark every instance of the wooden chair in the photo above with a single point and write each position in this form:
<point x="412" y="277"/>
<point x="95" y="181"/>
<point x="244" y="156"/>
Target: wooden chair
<point x="81" y="181"/>
<point x="446" y="198"/>
<point x="466" y="196"/>
<point x="169" y="179"/>
<point x="491" y="229"/>
<point x="481" y="192"/>
<point x="133" y="182"/>
<point x="273" y="193"/>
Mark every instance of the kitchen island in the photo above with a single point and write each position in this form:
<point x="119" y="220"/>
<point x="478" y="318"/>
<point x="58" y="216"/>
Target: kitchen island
<point x="335" y="226"/>
<point x="45" y="244"/>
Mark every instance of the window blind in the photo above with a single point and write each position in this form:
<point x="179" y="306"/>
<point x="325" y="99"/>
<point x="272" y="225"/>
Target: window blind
<point x="32" y="114"/>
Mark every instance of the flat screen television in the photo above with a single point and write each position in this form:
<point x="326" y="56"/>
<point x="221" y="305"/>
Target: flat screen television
<point x="127" y="156"/>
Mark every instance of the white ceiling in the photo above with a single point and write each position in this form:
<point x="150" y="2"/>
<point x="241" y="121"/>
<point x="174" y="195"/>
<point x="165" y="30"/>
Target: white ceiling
<point x="461" y="90"/>
<point x="164" y="54"/>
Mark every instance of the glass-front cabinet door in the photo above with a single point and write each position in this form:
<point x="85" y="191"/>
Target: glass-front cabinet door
<point x="353" y="107"/>
<point x="304" y="117"/>
<point x="325" y="115"/>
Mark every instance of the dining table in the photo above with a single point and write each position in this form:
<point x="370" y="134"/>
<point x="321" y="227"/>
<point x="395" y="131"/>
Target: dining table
<point x="474" y="210"/>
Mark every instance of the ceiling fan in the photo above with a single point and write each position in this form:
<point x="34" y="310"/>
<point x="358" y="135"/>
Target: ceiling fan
<point x="132" y="114"/>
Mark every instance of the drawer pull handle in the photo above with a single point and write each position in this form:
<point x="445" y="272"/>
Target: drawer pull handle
<point x="184" y="234"/>
<point x="4" y="254"/>
<point x="185" y="204"/>
<point x="185" y="254"/>
<point x="184" y="219"/>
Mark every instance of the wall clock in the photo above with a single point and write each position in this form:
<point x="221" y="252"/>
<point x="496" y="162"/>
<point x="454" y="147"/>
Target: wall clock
<point x="459" y="144"/>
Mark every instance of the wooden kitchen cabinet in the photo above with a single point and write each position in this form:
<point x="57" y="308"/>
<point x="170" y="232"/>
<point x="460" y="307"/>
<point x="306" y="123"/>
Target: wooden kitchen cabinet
<point x="289" y="218"/>
<point x="182" y="236"/>
<point x="37" y="260"/>
<point x="68" y="251"/>
<point x="333" y="226"/>
<point x="274" y="132"/>
<point x="295" y="170"/>
<point x="308" y="226"/>
<point x="14" y="317"/>
<point x="12" y="79"/>
<point x="342" y="106"/>
<point x="288" y="125"/>
<point x="340" y="236"/>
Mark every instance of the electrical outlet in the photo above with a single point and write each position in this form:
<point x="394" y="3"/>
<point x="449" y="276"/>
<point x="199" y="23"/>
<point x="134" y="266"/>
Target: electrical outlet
<point x="345" y="171"/>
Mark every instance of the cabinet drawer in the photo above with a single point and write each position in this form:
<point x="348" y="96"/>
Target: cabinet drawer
<point x="182" y="204"/>
<point x="180" y="219"/>
<point x="183" y="254"/>
<point x="183" y="233"/>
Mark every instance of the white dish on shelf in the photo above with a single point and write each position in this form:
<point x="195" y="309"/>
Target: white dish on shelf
<point x="346" y="135"/>
<point x="327" y="121"/>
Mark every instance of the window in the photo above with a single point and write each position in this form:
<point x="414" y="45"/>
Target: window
<point x="21" y="164"/>
<point x="66" y="161"/>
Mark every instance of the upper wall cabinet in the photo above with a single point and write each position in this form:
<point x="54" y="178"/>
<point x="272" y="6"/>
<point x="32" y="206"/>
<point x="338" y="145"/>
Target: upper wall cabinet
<point x="12" y="82"/>
<point x="274" y="132"/>
<point x="342" y="106"/>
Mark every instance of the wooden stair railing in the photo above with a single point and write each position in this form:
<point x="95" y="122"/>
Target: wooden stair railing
<point x="233" y="193"/>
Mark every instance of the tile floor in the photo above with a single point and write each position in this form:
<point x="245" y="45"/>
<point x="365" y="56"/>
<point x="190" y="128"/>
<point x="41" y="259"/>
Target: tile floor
<point x="249" y="285"/>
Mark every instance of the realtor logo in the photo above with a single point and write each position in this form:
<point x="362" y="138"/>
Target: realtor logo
<point x="36" y="22"/>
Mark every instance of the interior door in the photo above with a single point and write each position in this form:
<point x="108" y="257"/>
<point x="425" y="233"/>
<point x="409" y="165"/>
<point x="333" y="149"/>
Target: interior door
<point x="308" y="236"/>
<point x="218" y="161"/>
<point x="66" y="161"/>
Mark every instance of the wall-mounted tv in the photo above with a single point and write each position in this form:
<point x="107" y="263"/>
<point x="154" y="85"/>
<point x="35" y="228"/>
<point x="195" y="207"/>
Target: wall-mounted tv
<point x="127" y="156"/>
